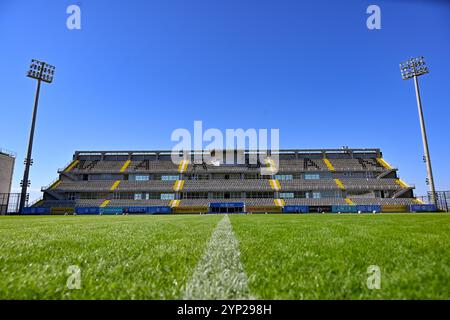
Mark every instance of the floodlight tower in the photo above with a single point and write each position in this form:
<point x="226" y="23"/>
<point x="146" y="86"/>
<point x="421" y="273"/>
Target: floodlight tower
<point x="412" y="69"/>
<point x="40" y="71"/>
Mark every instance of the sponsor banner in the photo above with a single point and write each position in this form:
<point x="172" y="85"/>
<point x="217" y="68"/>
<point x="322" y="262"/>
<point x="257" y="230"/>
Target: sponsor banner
<point x="320" y="209"/>
<point x="36" y="210"/>
<point x="135" y="210"/>
<point x="193" y="209"/>
<point x="394" y="208"/>
<point x="111" y="210"/>
<point x="157" y="210"/>
<point x="59" y="210"/>
<point x="150" y="210"/>
<point x="422" y="208"/>
<point x="344" y="209"/>
<point x="263" y="209"/>
<point x="356" y="208"/>
<point x="296" y="209"/>
<point x="87" y="210"/>
<point x="226" y="204"/>
<point x="369" y="208"/>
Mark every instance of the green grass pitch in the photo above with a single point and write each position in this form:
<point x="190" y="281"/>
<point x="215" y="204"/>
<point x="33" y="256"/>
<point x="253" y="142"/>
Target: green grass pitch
<point x="284" y="256"/>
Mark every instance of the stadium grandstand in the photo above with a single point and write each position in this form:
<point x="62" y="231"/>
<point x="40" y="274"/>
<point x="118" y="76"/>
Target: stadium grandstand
<point x="319" y="180"/>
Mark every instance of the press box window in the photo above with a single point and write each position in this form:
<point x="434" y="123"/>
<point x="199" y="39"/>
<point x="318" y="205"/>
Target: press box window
<point x="167" y="196"/>
<point x="286" y="195"/>
<point x="285" y="177"/>
<point x="169" y="178"/>
<point x="142" y="178"/>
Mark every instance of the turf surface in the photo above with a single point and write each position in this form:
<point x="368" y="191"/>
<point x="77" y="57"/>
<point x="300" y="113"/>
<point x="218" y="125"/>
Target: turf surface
<point x="284" y="256"/>
<point x="327" y="256"/>
<point x="120" y="257"/>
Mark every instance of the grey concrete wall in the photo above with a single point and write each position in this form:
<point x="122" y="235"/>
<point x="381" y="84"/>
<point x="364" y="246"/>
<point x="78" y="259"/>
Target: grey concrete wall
<point x="6" y="172"/>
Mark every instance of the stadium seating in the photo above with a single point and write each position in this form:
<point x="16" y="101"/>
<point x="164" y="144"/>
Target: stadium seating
<point x="302" y="165"/>
<point x="231" y="185"/>
<point x="154" y="166"/>
<point x="370" y="184"/>
<point x="356" y="164"/>
<point x="138" y="203"/>
<point x="316" y="202"/>
<point x="384" y="201"/>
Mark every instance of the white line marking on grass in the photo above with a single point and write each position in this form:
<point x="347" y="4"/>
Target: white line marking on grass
<point x="219" y="273"/>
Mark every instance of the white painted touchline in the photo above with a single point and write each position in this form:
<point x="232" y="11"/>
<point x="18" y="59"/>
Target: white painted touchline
<point x="219" y="273"/>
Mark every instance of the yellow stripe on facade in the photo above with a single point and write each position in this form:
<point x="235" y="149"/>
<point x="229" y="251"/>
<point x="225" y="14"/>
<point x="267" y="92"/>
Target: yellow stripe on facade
<point x="105" y="203"/>
<point x="174" y="203"/>
<point x="328" y="164"/>
<point x="279" y="202"/>
<point x="384" y="163"/>
<point x="349" y="201"/>
<point x="275" y="184"/>
<point x="125" y="165"/>
<point x="401" y="183"/>
<point x="71" y="166"/>
<point x="55" y="185"/>
<point x="339" y="184"/>
<point x="115" y="185"/>
<point x="178" y="185"/>
<point x="182" y="167"/>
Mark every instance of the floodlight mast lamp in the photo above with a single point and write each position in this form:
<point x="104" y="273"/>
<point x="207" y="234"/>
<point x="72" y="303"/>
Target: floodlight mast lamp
<point x="412" y="69"/>
<point x="40" y="71"/>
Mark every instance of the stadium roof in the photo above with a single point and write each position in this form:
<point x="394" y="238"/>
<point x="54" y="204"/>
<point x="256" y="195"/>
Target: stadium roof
<point x="281" y="151"/>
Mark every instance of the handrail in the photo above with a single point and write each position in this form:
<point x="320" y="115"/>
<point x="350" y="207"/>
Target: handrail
<point x="49" y="185"/>
<point x="402" y="191"/>
<point x="36" y="201"/>
<point x="65" y="166"/>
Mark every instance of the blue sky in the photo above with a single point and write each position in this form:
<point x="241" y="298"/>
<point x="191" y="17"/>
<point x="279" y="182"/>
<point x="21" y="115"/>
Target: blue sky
<point x="137" y="70"/>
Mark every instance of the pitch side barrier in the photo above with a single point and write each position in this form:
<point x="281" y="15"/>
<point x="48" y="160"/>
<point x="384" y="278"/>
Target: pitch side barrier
<point x="357" y="209"/>
<point x="122" y="210"/>
<point x="226" y="204"/>
<point x="422" y="208"/>
<point x="36" y="211"/>
<point x="226" y="207"/>
<point x="364" y="208"/>
<point x="296" y="209"/>
<point x="286" y="209"/>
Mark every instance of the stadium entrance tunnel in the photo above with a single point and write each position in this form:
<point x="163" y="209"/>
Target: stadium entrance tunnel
<point x="227" y="207"/>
